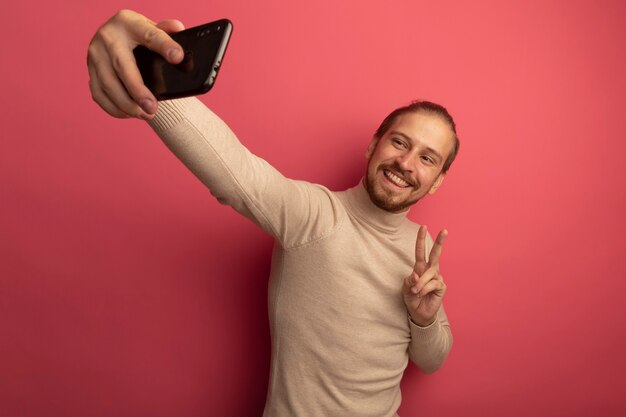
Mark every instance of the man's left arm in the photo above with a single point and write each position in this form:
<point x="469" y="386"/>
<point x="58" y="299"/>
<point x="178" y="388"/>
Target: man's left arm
<point x="423" y="291"/>
<point x="430" y="345"/>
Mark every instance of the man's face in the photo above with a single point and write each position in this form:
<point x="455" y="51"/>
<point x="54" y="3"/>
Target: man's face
<point x="406" y="162"/>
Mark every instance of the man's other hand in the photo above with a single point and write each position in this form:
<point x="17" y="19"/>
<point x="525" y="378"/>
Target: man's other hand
<point x="424" y="289"/>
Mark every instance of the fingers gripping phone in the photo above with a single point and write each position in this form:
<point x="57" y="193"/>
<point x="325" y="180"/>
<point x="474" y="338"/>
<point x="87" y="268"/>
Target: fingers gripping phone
<point x="204" y="47"/>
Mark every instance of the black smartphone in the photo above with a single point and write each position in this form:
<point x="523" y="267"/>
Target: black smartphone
<point x="204" y="47"/>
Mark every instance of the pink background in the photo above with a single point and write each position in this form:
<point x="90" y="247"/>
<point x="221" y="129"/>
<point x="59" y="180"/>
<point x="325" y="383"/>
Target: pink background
<point x="127" y="290"/>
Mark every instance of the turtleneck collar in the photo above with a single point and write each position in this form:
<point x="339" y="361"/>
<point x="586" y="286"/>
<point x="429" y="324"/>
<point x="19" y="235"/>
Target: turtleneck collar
<point x="362" y="207"/>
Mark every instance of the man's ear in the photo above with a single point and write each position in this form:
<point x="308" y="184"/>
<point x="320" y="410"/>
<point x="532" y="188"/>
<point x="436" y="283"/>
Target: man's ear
<point x="436" y="184"/>
<point x="371" y="148"/>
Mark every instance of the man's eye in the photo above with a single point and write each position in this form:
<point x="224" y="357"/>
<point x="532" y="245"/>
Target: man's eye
<point x="398" y="142"/>
<point x="428" y="159"/>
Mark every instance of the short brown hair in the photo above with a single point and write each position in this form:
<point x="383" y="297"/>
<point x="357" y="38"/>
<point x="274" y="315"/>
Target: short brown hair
<point x="425" y="106"/>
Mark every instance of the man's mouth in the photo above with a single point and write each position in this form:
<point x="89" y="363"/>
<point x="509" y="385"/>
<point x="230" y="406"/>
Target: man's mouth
<point x="396" y="180"/>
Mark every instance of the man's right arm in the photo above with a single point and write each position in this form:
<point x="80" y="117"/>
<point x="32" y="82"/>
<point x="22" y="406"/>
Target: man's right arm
<point x="294" y="212"/>
<point x="291" y="211"/>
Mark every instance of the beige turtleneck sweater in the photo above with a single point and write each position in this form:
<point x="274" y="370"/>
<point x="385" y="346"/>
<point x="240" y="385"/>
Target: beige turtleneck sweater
<point x="341" y="337"/>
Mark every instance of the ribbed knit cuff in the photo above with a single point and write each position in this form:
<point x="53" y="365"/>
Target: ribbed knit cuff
<point x="424" y="333"/>
<point x="170" y="113"/>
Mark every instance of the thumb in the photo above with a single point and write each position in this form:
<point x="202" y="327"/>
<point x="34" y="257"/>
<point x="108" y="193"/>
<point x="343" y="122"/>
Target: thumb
<point x="171" y="25"/>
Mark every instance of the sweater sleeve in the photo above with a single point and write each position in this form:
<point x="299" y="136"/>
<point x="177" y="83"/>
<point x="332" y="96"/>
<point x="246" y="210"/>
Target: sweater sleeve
<point x="429" y="346"/>
<point x="293" y="212"/>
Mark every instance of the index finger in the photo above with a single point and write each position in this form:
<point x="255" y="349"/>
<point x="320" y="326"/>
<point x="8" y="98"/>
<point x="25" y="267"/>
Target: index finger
<point x="435" y="252"/>
<point x="420" y="250"/>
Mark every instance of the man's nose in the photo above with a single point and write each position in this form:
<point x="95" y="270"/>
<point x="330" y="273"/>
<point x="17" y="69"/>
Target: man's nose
<point x="405" y="161"/>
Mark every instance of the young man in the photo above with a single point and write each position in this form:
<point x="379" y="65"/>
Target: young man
<point x="355" y="288"/>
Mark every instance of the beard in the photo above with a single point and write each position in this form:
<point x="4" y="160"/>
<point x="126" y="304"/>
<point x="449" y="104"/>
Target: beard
<point x="382" y="198"/>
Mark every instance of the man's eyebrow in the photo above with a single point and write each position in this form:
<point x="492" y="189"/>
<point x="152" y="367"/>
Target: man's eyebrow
<point x="407" y="137"/>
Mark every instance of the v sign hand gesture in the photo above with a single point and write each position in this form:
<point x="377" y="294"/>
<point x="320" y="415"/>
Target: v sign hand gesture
<point x="424" y="289"/>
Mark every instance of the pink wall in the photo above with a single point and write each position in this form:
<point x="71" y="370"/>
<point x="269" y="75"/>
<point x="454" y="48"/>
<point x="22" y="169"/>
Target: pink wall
<point x="126" y="290"/>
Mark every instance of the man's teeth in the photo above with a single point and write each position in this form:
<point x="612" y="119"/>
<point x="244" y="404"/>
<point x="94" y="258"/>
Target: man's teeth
<point x="395" y="179"/>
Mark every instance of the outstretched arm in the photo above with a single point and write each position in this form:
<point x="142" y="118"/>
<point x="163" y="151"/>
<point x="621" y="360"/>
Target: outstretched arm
<point x="293" y="212"/>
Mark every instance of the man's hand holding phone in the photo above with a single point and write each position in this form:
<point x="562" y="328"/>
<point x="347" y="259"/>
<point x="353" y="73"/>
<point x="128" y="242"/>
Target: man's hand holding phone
<point x="115" y="82"/>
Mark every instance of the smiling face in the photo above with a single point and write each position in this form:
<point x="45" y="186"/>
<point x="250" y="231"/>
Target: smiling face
<point x="406" y="163"/>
